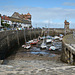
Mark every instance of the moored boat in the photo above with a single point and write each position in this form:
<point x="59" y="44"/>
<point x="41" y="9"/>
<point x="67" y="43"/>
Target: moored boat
<point x="52" y="48"/>
<point x="43" y="45"/>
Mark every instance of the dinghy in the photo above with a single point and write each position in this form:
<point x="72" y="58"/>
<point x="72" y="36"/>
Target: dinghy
<point x="43" y="45"/>
<point x="52" y="48"/>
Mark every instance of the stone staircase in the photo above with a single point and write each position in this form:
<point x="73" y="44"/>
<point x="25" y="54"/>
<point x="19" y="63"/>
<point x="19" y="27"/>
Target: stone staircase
<point x="36" y="67"/>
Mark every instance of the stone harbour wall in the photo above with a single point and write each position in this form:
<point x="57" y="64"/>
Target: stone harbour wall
<point x="10" y="40"/>
<point x="68" y="51"/>
<point x="13" y="39"/>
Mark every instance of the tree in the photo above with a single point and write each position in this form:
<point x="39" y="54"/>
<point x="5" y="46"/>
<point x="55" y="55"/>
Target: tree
<point x="4" y="24"/>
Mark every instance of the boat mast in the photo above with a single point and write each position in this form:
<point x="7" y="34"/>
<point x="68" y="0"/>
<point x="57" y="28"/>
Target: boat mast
<point x="48" y="28"/>
<point x="24" y="35"/>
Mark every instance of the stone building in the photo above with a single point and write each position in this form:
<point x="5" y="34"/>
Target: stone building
<point x="66" y="26"/>
<point x="22" y="16"/>
<point x="25" y="19"/>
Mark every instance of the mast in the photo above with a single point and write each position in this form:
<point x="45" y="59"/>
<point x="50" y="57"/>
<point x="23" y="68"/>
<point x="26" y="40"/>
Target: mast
<point x="24" y="35"/>
<point x="48" y="28"/>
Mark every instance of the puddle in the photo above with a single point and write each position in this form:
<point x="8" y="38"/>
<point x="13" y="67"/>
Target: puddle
<point x="43" y="53"/>
<point x="35" y="49"/>
<point x="52" y="55"/>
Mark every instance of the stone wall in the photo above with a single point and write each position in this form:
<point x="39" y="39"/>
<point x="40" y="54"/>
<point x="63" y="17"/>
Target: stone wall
<point x="9" y="40"/>
<point x="14" y="39"/>
<point x="68" y="51"/>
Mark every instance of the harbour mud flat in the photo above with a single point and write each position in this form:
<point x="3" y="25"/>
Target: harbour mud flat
<point x="35" y="53"/>
<point x="36" y="61"/>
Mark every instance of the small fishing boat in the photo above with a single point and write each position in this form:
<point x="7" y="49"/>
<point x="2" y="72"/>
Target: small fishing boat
<point x="28" y="46"/>
<point x="56" y="38"/>
<point x="34" y="43"/>
<point x="41" y="38"/>
<point x="23" y="46"/>
<point x="43" y="45"/>
<point x="61" y="36"/>
<point x="60" y="39"/>
<point x="49" y="40"/>
<point x="30" y="41"/>
<point x="52" y="48"/>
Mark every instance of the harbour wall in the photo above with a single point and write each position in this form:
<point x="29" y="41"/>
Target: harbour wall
<point x="10" y="40"/>
<point x="68" y="51"/>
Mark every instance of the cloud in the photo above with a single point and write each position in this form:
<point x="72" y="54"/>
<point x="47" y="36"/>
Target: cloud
<point x="41" y="16"/>
<point x="68" y="4"/>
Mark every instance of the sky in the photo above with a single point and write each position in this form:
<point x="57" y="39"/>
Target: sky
<point x="45" y="13"/>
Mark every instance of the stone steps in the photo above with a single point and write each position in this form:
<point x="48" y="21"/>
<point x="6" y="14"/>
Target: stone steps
<point x="36" y="67"/>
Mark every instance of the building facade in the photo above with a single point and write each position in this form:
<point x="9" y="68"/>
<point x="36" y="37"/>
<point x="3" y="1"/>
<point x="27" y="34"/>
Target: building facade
<point x="66" y="27"/>
<point x="6" y="19"/>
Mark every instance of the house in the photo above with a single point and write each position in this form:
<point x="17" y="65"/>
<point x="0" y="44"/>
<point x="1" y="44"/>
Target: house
<point x="26" y="25"/>
<point x="0" y="23"/>
<point x="6" y="19"/>
<point x="25" y="19"/>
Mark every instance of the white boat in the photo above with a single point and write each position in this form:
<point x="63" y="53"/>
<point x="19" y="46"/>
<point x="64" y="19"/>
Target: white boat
<point x="43" y="45"/>
<point x="41" y="38"/>
<point x="60" y="39"/>
<point x="52" y="48"/>
<point x="61" y="36"/>
<point x="30" y="41"/>
<point x="56" y="37"/>
<point x="48" y="37"/>
<point x="23" y="46"/>
<point x="28" y="46"/>
<point x="48" y="40"/>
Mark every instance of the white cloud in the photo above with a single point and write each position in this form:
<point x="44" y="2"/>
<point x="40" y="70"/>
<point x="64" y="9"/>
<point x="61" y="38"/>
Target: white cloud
<point x="41" y="16"/>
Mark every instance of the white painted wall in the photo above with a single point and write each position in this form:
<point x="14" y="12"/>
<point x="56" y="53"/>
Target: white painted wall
<point x="25" y="25"/>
